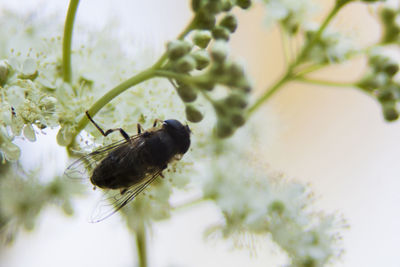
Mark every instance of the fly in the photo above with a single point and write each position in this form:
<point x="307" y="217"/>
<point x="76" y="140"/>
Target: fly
<point x="131" y="164"/>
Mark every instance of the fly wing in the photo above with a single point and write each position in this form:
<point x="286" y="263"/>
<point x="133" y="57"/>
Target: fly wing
<point x="114" y="200"/>
<point x="82" y="168"/>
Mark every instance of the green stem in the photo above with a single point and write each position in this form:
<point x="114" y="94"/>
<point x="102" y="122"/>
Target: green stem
<point x="67" y="40"/>
<point x="141" y="245"/>
<point x="189" y="203"/>
<point x="264" y="97"/>
<point x="306" y="49"/>
<point x="326" y="83"/>
<point x="290" y="73"/>
<point x="110" y="95"/>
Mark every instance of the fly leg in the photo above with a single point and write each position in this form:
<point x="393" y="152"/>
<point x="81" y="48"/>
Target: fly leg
<point x="157" y="120"/>
<point x="123" y="133"/>
<point x="139" y="128"/>
<point x="163" y="168"/>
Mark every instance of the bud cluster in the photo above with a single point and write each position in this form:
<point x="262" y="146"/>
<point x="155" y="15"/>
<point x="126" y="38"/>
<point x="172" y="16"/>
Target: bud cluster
<point x="380" y="83"/>
<point x="206" y="12"/>
<point x="200" y="68"/>
<point x="391" y="27"/>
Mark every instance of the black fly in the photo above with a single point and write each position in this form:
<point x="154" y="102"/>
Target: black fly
<point x="133" y="163"/>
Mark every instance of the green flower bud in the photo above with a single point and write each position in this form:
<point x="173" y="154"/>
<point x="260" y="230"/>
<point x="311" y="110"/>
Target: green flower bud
<point x="391" y="34"/>
<point x="385" y="95"/>
<point x="368" y="83"/>
<point x="213" y="7"/>
<point x="389" y="112"/>
<point x="185" y="64"/>
<point x="186" y="93"/>
<point x="391" y="68"/>
<point x="227" y="5"/>
<point x="236" y="99"/>
<point x="178" y="48"/>
<point x="388" y="15"/>
<point x="229" y="22"/>
<point x="192" y="114"/>
<point x="220" y="33"/>
<point x="202" y="38"/>
<point x="196" y="4"/>
<point x="221" y="108"/>
<point x="207" y="85"/>
<point x="204" y="20"/>
<point x="219" y="52"/>
<point x="238" y="119"/>
<point x="202" y="59"/>
<point x="244" y="4"/>
<point x="3" y="72"/>
<point x="223" y="128"/>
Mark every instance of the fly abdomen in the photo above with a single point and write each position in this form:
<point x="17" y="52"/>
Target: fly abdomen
<point x="120" y="169"/>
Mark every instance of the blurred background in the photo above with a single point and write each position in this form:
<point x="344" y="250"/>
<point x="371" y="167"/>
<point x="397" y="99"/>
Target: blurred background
<point x="335" y="139"/>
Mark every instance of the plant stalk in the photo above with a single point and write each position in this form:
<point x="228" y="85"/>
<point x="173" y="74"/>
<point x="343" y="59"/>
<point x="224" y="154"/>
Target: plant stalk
<point x="67" y="40"/>
<point x="141" y="245"/>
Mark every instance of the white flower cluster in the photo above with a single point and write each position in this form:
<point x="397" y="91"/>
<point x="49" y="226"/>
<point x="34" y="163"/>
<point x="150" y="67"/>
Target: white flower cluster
<point x="292" y="14"/>
<point x="331" y="47"/>
<point x="254" y="201"/>
<point x="248" y="198"/>
<point x="22" y="197"/>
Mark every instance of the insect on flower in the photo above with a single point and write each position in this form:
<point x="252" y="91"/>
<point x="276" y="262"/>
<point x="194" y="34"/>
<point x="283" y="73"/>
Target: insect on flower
<point x="130" y="165"/>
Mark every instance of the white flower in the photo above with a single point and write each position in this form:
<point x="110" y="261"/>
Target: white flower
<point x="292" y="14"/>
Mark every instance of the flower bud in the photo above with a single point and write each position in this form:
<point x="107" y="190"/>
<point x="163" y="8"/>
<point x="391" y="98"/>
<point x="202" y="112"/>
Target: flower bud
<point x="219" y="52"/>
<point x="202" y="59"/>
<point x="220" y="33"/>
<point x="193" y="114"/>
<point x="223" y="128"/>
<point x="238" y="119"/>
<point x="3" y="72"/>
<point x="196" y="4"/>
<point x="213" y="7"/>
<point x="244" y="4"/>
<point x="385" y="95"/>
<point x="229" y="22"/>
<point x="207" y="85"/>
<point x="202" y="38"/>
<point x="227" y="5"/>
<point x="236" y="99"/>
<point x="390" y="113"/>
<point x="186" y="93"/>
<point x="204" y="20"/>
<point x="178" y="48"/>
<point x="391" y="68"/>
<point x="185" y="64"/>
<point x="388" y="15"/>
